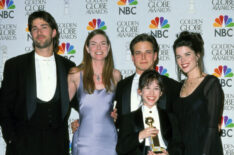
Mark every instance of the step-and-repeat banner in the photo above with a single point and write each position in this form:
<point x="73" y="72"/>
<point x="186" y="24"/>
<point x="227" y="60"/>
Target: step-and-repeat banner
<point x="124" y="19"/>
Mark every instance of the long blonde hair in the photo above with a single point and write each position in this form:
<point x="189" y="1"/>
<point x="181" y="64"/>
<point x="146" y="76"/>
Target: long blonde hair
<point x="86" y="66"/>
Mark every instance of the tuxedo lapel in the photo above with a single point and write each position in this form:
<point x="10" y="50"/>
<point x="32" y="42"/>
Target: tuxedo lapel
<point x="139" y="126"/>
<point x="163" y="120"/>
<point x="62" y="85"/>
<point x="31" y="85"/>
<point x="138" y="119"/>
<point x="126" y="99"/>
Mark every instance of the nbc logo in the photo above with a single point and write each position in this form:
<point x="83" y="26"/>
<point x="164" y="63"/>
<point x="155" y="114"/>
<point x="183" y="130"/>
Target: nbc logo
<point x="29" y="37"/>
<point x="127" y="10"/>
<point x="227" y="74"/>
<point x="27" y="29"/>
<point x="130" y="2"/>
<point x="68" y="49"/>
<point x="228" y="125"/>
<point x="159" y="22"/>
<point x="9" y="4"/>
<point x="162" y="71"/>
<point x="96" y="24"/>
<point x="225" y="24"/>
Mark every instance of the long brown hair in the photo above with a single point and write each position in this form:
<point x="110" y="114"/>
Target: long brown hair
<point x="86" y="66"/>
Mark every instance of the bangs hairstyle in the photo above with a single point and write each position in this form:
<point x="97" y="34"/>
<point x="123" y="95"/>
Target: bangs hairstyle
<point x="52" y="23"/>
<point x="147" y="77"/>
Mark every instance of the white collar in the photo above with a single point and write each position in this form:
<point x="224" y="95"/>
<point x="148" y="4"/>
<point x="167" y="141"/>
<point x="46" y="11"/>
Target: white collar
<point x="136" y="76"/>
<point x="146" y="109"/>
<point x="42" y="58"/>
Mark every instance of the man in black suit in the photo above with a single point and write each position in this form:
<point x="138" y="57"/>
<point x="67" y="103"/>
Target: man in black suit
<point x="34" y="106"/>
<point x="144" y="49"/>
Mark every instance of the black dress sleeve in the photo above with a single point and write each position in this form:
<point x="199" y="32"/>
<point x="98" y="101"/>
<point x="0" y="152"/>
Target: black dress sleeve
<point x="215" y="101"/>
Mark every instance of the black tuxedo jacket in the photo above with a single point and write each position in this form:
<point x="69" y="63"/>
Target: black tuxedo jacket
<point x="130" y="126"/>
<point x="123" y="95"/>
<point x="18" y="92"/>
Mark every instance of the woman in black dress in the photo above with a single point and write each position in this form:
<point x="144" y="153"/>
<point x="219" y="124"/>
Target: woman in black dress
<point x="200" y="105"/>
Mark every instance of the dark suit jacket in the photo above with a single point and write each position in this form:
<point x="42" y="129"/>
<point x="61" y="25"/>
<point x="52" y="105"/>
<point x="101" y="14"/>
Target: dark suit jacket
<point x="18" y="92"/>
<point x="123" y="95"/>
<point x="130" y="126"/>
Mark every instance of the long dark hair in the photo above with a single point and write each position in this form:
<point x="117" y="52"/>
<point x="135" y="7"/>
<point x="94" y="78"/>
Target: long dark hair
<point x="52" y="23"/>
<point x="195" y="42"/>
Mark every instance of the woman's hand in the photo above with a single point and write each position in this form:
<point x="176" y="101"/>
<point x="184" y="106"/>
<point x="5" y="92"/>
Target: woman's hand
<point x="114" y="114"/>
<point x="147" y="132"/>
<point x="74" y="125"/>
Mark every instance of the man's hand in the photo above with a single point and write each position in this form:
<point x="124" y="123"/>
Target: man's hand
<point x="74" y="125"/>
<point x="114" y="114"/>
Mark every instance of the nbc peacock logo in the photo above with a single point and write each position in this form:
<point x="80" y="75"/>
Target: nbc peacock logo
<point x="162" y="71"/>
<point x="159" y="22"/>
<point x="66" y="47"/>
<point x="96" y="24"/>
<point x="225" y="74"/>
<point x="223" y="26"/>
<point x="223" y="21"/>
<point x="67" y="50"/>
<point x="124" y="2"/>
<point x="9" y="4"/>
<point x="159" y="27"/>
<point x="227" y="124"/>
<point x="29" y="37"/>
<point x="223" y="70"/>
<point x="125" y="9"/>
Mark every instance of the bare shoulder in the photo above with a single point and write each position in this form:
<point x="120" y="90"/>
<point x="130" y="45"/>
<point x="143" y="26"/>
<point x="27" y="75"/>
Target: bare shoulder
<point x="117" y="75"/>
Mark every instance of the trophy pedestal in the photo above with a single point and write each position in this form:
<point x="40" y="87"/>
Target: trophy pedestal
<point x="157" y="149"/>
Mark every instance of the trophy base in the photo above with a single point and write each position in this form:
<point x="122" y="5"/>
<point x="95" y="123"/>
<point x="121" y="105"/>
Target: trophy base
<point x="158" y="149"/>
<point x="157" y="152"/>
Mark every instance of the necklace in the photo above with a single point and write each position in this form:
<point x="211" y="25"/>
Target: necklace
<point x="98" y="77"/>
<point x="192" y="82"/>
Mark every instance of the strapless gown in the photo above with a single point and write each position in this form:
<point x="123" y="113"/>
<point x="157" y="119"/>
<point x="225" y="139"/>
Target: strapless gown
<point x="96" y="134"/>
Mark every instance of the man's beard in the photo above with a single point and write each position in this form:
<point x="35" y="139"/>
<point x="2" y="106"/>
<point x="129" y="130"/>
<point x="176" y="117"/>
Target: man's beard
<point x="45" y="44"/>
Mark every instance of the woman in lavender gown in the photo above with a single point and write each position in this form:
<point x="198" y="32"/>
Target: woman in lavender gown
<point x="93" y="84"/>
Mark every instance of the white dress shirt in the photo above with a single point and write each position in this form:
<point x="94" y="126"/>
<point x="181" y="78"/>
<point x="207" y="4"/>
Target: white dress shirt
<point x="135" y="97"/>
<point x="152" y="112"/>
<point x="46" y="77"/>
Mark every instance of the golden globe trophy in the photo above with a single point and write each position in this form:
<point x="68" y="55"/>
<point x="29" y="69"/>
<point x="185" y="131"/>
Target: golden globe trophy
<point x="154" y="141"/>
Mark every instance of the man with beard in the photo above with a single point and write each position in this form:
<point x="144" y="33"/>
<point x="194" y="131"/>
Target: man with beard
<point x="34" y="106"/>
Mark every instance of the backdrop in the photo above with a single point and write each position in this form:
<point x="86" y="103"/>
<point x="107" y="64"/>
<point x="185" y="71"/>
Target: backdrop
<point x="122" y="20"/>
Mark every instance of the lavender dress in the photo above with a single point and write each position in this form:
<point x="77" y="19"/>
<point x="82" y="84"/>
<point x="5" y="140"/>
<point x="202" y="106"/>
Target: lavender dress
<point x="96" y="134"/>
